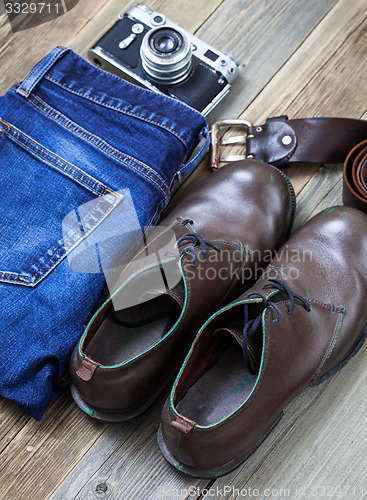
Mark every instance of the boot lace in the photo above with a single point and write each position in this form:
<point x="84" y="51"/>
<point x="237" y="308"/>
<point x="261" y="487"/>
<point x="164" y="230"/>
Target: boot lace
<point x="197" y="240"/>
<point x="252" y="324"/>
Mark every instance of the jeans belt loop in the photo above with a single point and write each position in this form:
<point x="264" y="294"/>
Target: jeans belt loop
<point x="186" y="168"/>
<point x="39" y="71"/>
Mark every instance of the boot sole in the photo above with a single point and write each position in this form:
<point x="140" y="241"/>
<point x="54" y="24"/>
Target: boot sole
<point x="111" y="417"/>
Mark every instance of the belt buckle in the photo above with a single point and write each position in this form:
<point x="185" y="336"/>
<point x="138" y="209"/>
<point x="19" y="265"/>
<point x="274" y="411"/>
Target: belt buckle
<point x="216" y="142"/>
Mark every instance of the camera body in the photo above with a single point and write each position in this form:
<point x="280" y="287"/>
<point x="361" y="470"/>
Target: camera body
<point x="147" y="49"/>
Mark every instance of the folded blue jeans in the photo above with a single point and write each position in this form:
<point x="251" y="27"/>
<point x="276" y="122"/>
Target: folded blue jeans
<point x="71" y="136"/>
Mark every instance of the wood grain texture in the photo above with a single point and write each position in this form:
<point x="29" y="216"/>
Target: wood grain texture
<point x="57" y="444"/>
<point x="350" y="97"/>
<point x="12" y="419"/>
<point x="121" y="466"/>
<point x="19" y="52"/>
<point x="323" y="190"/>
<point x="180" y="12"/>
<point x="302" y="58"/>
<point x="302" y="78"/>
<point x="264" y="35"/>
<point x="281" y="94"/>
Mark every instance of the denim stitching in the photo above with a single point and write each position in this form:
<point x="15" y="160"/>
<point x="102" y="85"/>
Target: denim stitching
<point x="14" y="276"/>
<point x="79" y="231"/>
<point x="69" y="165"/>
<point x="55" y="164"/>
<point x="119" y="159"/>
<point x="157" y="214"/>
<point x="169" y="99"/>
<point x="58" y="250"/>
<point x="97" y="138"/>
<point x="121" y="111"/>
<point x="162" y="208"/>
<point x="20" y="88"/>
<point x="151" y="223"/>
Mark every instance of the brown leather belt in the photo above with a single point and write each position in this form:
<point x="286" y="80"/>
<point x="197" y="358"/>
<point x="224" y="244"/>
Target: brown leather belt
<point x="283" y="142"/>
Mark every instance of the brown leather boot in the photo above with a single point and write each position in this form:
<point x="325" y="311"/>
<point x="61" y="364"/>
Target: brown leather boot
<point x="225" y="228"/>
<point x="298" y="325"/>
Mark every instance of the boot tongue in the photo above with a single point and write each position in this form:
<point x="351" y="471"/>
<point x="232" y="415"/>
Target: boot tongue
<point x="148" y="309"/>
<point x="254" y="345"/>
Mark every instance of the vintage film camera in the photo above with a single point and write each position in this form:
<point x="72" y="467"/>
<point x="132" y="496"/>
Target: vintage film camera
<point x="147" y="49"/>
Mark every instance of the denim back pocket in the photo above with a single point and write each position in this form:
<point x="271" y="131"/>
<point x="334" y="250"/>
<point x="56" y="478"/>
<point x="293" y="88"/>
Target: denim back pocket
<point x="39" y="189"/>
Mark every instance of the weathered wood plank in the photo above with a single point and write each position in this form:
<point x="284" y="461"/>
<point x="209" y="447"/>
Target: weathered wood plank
<point x="322" y="191"/>
<point x="281" y="94"/>
<point x="349" y="95"/>
<point x="12" y="419"/>
<point x="19" y="52"/>
<point x="299" y="87"/>
<point x="56" y="445"/>
<point x="338" y="89"/>
<point x="180" y="12"/>
<point x="5" y="30"/>
<point x="263" y="35"/>
<point x="324" y="186"/>
<point x="127" y="467"/>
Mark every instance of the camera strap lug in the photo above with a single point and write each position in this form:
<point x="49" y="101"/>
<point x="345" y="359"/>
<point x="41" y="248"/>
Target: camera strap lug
<point x="217" y="142"/>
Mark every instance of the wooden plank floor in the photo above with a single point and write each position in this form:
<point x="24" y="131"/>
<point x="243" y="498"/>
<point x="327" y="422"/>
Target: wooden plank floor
<point x="302" y="58"/>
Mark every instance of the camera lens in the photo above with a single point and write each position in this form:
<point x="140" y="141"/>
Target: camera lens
<point x="165" y="43"/>
<point x="166" y="55"/>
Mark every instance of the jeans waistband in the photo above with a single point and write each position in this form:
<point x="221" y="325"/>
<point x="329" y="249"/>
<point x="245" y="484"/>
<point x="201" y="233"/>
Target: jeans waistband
<point x="71" y="72"/>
